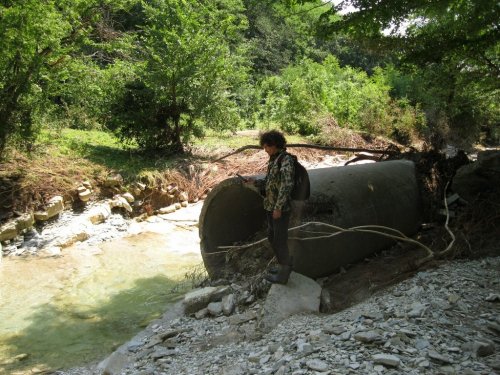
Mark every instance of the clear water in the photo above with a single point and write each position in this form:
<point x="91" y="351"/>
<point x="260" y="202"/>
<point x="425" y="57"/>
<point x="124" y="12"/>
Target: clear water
<point x="71" y="310"/>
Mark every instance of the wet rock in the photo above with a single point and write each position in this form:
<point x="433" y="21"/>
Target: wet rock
<point x="80" y="230"/>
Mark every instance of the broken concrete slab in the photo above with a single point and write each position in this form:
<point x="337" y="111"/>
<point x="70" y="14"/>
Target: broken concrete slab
<point x="300" y="295"/>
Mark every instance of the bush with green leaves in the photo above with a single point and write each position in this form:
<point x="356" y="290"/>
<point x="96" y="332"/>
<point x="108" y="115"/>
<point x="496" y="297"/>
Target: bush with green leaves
<point x="191" y="62"/>
<point x="308" y="91"/>
<point x="31" y="37"/>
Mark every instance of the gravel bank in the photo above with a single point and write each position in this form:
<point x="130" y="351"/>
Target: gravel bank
<point x="441" y="321"/>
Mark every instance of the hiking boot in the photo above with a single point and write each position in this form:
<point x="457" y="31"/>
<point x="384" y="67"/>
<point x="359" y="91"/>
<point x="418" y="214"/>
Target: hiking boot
<point x="276" y="267"/>
<point x="280" y="277"/>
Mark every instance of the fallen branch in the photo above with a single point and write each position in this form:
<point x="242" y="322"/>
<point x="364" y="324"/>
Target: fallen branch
<point x="318" y="147"/>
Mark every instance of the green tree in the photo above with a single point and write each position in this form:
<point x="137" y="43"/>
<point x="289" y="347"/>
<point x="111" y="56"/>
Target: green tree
<point x="449" y="47"/>
<point x="33" y="36"/>
<point x="45" y="45"/>
<point x="191" y="61"/>
<point x="309" y="91"/>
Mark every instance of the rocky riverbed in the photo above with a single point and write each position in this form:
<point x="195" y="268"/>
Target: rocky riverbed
<point x="441" y="321"/>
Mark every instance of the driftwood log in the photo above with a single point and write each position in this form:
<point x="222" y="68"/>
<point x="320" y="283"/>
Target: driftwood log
<point x="392" y="150"/>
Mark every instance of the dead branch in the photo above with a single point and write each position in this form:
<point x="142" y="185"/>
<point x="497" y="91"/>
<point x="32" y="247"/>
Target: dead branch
<point x="318" y="147"/>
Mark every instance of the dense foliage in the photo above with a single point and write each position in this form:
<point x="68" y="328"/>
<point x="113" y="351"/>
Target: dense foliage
<point x="446" y="53"/>
<point x="157" y="72"/>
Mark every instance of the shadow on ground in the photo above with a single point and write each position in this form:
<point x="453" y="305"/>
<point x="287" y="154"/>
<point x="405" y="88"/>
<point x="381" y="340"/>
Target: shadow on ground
<point x="132" y="162"/>
<point x="62" y="336"/>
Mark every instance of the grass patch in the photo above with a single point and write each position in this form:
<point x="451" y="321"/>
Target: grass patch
<point x="63" y="159"/>
<point x="102" y="149"/>
<point x="216" y="142"/>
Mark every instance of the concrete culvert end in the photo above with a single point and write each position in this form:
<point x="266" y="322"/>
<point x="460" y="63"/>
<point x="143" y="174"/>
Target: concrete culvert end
<point x="382" y="194"/>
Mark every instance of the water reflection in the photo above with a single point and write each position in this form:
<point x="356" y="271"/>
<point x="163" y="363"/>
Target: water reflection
<point x="68" y="311"/>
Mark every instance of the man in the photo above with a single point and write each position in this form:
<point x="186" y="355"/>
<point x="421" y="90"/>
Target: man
<point x="278" y="185"/>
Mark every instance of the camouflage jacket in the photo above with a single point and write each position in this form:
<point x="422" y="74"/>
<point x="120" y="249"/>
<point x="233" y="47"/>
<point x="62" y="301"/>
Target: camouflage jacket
<point x="278" y="182"/>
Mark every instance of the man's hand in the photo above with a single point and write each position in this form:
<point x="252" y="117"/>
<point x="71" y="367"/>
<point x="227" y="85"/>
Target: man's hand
<point x="276" y="214"/>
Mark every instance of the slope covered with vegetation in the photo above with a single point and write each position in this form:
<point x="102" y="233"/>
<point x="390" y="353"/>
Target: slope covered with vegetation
<point x="154" y="77"/>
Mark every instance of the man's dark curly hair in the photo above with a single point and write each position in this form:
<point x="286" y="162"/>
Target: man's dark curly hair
<point x="273" y="138"/>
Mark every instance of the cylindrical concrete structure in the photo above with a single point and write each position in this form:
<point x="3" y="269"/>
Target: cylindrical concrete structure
<point x="384" y="193"/>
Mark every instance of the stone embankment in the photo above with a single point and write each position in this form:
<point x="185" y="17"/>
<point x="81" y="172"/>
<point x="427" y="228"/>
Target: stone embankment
<point x="48" y="231"/>
<point x="442" y="321"/>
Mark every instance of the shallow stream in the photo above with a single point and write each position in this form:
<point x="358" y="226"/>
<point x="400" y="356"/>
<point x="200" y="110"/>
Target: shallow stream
<point x="66" y="311"/>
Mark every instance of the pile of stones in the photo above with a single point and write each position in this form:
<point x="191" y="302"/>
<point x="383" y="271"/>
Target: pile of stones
<point x="441" y="321"/>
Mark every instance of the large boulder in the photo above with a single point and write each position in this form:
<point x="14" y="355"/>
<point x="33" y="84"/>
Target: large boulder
<point x="480" y="177"/>
<point x="300" y="295"/>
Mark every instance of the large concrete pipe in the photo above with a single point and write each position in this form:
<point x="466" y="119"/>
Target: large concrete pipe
<point x="384" y="194"/>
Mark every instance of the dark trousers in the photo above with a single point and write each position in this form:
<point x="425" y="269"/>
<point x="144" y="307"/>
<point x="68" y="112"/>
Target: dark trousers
<point x="277" y="234"/>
